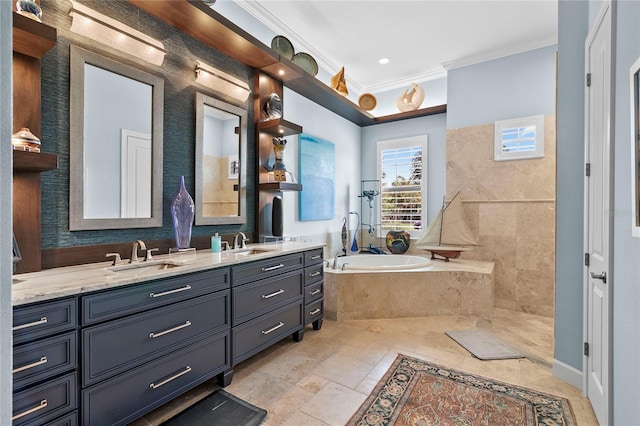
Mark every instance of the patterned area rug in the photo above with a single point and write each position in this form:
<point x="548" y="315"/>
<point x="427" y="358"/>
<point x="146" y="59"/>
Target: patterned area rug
<point x="416" y="392"/>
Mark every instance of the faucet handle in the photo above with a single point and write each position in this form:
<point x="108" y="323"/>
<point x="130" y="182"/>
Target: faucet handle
<point x="244" y="242"/>
<point x="148" y="255"/>
<point x="116" y="258"/>
<point x="225" y="245"/>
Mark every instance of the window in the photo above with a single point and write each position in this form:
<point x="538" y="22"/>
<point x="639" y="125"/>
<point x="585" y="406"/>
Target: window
<point x="403" y="188"/>
<point x="519" y="138"/>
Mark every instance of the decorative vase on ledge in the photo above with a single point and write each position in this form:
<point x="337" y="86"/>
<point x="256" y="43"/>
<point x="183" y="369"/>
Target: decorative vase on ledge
<point x="182" y="213"/>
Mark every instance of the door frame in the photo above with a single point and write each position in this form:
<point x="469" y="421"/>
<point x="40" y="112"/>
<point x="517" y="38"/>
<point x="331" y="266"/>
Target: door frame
<point x="607" y="7"/>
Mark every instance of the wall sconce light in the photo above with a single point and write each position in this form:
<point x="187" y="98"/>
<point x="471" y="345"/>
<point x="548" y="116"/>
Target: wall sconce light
<point x="103" y="29"/>
<point x="221" y="82"/>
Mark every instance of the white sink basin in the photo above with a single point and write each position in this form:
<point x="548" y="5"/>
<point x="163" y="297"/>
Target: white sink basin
<point x="153" y="265"/>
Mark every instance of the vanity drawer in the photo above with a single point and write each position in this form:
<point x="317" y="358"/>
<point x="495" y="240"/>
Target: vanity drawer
<point x="253" y="336"/>
<point x="37" y="361"/>
<point x="313" y="292"/>
<point x="130" y="395"/>
<point x="40" y="404"/>
<point x="258" y="270"/>
<point x="117" y="346"/>
<point x="313" y="257"/>
<point x="70" y="419"/>
<point x="313" y="274"/>
<point x="31" y="322"/>
<point x="254" y="299"/>
<point x="313" y="311"/>
<point x="140" y="297"/>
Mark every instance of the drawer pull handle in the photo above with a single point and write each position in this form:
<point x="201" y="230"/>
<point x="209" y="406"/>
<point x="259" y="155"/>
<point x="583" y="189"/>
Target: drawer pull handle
<point x="272" y="329"/>
<point x="315" y="311"/>
<point x="166" y="293"/>
<point x="43" y="404"/>
<point x="269" y="296"/>
<point x="169" y="379"/>
<point x="171" y="330"/>
<point x="316" y="257"/>
<point x="273" y="268"/>
<point x="314" y="274"/>
<point x="43" y="360"/>
<point x="42" y="320"/>
<point x="314" y="292"/>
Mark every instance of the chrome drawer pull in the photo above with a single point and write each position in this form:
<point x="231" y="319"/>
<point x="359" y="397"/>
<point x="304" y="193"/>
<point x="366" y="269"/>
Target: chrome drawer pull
<point x="42" y="320"/>
<point x="314" y="292"/>
<point x="43" y="360"/>
<point x="43" y="404"/>
<point x="265" y="332"/>
<point x="315" y="311"/>
<point x="171" y="330"/>
<point x="273" y="268"/>
<point x="315" y="274"/>
<point x="165" y="293"/>
<point x="269" y="296"/>
<point x="167" y="380"/>
<point x="317" y="256"/>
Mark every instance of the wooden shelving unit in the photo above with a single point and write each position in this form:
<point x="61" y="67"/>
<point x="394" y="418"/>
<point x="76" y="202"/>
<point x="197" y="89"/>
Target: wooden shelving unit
<point x="280" y="186"/>
<point x="31" y="40"/>
<point x="205" y="24"/>
<point x="279" y="127"/>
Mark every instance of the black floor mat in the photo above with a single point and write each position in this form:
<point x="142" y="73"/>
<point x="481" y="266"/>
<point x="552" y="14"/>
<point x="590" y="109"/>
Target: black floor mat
<point x="219" y="409"/>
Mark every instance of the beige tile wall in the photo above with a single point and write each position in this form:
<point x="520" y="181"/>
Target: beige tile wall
<point x="510" y="206"/>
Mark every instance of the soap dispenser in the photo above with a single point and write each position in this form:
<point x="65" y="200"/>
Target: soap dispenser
<point x="216" y="243"/>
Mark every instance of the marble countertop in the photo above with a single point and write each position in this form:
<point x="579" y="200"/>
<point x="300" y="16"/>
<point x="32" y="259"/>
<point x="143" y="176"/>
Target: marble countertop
<point x="73" y="280"/>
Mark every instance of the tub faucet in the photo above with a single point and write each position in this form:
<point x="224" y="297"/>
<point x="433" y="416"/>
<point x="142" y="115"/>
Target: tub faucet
<point x="134" y="250"/>
<point x="335" y="261"/>
<point x="243" y="241"/>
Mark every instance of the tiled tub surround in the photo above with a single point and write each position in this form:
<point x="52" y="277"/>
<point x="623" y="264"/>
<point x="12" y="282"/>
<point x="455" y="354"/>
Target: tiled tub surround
<point x="510" y="206"/>
<point x="458" y="287"/>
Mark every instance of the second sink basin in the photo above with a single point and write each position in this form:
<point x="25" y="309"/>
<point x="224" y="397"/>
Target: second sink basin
<point x="153" y="265"/>
<point x="249" y="251"/>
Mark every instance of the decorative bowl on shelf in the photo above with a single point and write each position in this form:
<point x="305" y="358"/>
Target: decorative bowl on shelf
<point x="283" y="46"/>
<point x="367" y="101"/>
<point x="30" y="9"/>
<point x="24" y="140"/>
<point x="306" y="62"/>
<point x="273" y="106"/>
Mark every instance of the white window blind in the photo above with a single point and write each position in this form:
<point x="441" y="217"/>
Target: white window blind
<point x="403" y="196"/>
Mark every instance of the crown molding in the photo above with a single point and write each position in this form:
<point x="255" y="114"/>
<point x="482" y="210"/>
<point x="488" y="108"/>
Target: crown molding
<point x="434" y="74"/>
<point x="499" y="53"/>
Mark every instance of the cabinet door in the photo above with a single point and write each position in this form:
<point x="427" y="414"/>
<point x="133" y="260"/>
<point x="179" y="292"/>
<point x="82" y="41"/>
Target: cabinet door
<point x="257" y="298"/>
<point x="38" y="320"/>
<point x="119" y="345"/>
<point x="37" y="361"/>
<point x="42" y="403"/>
<point x="139" y="297"/>
<point x="254" y="271"/>
<point x="128" y="396"/>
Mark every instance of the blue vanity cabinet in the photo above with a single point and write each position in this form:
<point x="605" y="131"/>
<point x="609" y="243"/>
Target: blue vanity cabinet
<point x="45" y="363"/>
<point x="144" y="344"/>
<point x="267" y="304"/>
<point x="313" y="288"/>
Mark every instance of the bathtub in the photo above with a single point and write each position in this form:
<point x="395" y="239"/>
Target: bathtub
<point x="381" y="262"/>
<point x="376" y="286"/>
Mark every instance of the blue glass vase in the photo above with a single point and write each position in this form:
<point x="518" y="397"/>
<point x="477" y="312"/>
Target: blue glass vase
<point x="182" y="213"/>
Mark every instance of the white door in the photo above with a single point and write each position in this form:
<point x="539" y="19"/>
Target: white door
<point x="135" y="174"/>
<point x="597" y="205"/>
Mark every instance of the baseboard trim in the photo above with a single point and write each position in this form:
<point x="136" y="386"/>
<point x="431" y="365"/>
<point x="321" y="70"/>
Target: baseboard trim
<point x="568" y="374"/>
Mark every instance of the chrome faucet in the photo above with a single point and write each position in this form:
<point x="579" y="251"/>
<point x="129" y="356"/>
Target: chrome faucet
<point x="242" y="243"/>
<point x="335" y="260"/>
<point x="134" y="250"/>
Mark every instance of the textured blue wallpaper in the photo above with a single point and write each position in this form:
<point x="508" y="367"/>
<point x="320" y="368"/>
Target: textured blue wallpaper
<point x="178" y="73"/>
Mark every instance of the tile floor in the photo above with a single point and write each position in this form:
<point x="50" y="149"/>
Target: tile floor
<point x="324" y="379"/>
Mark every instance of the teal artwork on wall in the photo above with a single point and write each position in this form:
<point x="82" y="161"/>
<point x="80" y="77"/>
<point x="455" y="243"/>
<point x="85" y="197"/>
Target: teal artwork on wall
<point x="317" y="176"/>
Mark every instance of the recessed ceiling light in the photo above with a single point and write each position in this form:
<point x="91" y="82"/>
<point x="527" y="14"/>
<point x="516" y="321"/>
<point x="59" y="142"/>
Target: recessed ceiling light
<point x="383" y="61"/>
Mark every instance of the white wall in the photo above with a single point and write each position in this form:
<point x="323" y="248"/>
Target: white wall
<point x="626" y="249"/>
<point x="6" y="254"/>
<point x="318" y="121"/>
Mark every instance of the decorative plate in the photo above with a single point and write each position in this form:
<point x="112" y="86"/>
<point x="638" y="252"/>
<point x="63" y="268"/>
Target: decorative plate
<point x="283" y="46"/>
<point x="306" y="62"/>
<point x="273" y="106"/>
<point x="367" y="101"/>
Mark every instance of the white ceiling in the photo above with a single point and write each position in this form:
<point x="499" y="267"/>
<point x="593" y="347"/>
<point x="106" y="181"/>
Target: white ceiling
<point x="422" y="38"/>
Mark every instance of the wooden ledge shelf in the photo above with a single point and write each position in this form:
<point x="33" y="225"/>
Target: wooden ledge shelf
<point x="32" y="38"/>
<point x="279" y="127"/>
<point x="24" y="161"/>
<point x="280" y="186"/>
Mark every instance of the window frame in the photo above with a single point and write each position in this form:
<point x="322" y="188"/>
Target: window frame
<point x="418" y="140"/>
<point x="499" y="126"/>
